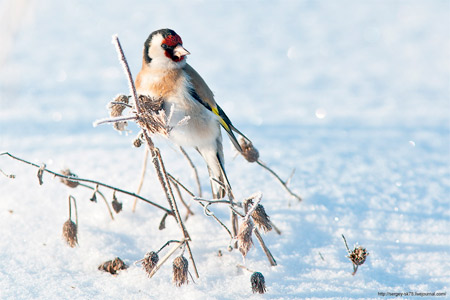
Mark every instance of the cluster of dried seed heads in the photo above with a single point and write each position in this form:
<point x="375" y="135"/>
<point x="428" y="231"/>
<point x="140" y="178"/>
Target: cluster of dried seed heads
<point x="180" y="270"/>
<point x="113" y="266"/>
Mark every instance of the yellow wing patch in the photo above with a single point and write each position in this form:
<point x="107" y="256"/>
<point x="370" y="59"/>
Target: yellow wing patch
<point x="224" y="124"/>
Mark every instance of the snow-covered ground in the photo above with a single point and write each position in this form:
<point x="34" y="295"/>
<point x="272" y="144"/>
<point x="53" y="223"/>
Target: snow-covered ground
<point x="355" y="95"/>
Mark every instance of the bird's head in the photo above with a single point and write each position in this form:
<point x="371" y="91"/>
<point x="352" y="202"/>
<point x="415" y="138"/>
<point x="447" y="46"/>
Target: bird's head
<point x="164" y="49"/>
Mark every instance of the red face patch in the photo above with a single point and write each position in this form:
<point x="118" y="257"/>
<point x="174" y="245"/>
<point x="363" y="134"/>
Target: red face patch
<point x="173" y="40"/>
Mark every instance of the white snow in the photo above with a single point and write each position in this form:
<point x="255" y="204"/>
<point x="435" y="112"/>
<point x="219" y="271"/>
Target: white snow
<point x="355" y="95"/>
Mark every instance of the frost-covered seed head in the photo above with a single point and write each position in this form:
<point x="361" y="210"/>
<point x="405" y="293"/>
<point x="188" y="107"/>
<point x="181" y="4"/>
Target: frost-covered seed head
<point x="149" y="262"/>
<point x="180" y="270"/>
<point x="258" y="283"/>
<point x="261" y="218"/>
<point x="249" y="151"/>
<point x="244" y="237"/>
<point x="68" y="182"/>
<point x="358" y="255"/>
<point x="70" y="233"/>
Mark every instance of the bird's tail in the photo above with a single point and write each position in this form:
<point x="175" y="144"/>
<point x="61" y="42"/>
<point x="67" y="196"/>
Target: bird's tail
<point x="214" y="160"/>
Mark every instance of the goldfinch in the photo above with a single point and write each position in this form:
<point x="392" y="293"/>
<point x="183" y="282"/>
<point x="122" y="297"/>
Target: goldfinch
<point x="166" y="75"/>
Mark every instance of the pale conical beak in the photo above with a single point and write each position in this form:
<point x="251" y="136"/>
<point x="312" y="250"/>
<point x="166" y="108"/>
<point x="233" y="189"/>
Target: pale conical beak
<point x="179" y="51"/>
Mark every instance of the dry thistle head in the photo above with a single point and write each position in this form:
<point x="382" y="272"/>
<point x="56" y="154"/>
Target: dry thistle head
<point x="358" y="255"/>
<point x="68" y="182"/>
<point x="180" y="270"/>
<point x="113" y="266"/>
<point x="149" y="262"/>
<point x="261" y="218"/>
<point x="245" y="236"/>
<point x="249" y="151"/>
<point x="258" y="283"/>
<point x="70" y="233"/>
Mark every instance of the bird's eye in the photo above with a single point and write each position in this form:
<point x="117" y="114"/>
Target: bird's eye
<point x="164" y="46"/>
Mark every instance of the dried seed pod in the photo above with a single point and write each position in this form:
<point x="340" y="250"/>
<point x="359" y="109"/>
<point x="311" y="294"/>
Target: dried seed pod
<point x="40" y="173"/>
<point x="149" y="261"/>
<point x="137" y="142"/>
<point x="261" y="218"/>
<point x="180" y="270"/>
<point x="258" y="283"/>
<point x="244" y="236"/>
<point x="358" y="255"/>
<point x="70" y="233"/>
<point x="94" y="197"/>
<point x="117" y="206"/>
<point x="113" y="266"/>
<point x="250" y="153"/>
<point x="68" y="182"/>
<point x="115" y="108"/>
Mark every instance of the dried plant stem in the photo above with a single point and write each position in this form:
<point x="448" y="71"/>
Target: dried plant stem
<point x="188" y="208"/>
<point x="141" y="182"/>
<point x="72" y="199"/>
<point x="157" y="160"/>
<point x="346" y="245"/>
<point x="264" y="248"/>
<point x="355" y="267"/>
<point x="165" y="258"/>
<point x="101" y="195"/>
<point x="125" y="66"/>
<point x="283" y="183"/>
<point x="197" y="179"/>
<point x="245" y="268"/>
<point x="8" y="175"/>
<point x="168" y="211"/>
<point x="165" y="183"/>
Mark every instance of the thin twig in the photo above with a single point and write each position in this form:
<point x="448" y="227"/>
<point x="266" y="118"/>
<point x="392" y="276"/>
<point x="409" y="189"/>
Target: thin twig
<point x="346" y="245"/>
<point x="197" y="179"/>
<point x="114" y="120"/>
<point x="245" y="268"/>
<point x="188" y="208"/>
<point x="283" y="183"/>
<point x="167" y="244"/>
<point x="70" y="209"/>
<point x="124" y="62"/>
<point x="72" y="178"/>
<point x="144" y="168"/>
<point x="264" y="248"/>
